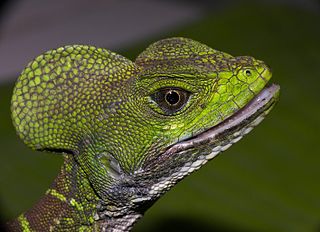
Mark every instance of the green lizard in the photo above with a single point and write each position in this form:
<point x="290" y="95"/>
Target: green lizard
<point x="129" y="131"/>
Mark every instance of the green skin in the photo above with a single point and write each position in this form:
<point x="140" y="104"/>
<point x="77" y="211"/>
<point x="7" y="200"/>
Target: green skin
<point x="124" y="128"/>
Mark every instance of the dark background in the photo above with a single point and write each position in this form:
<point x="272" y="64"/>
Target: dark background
<point x="269" y="181"/>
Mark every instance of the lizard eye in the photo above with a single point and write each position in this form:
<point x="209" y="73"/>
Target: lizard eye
<point x="171" y="100"/>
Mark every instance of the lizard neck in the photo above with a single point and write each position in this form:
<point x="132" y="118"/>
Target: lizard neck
<point x="69" y="204"/>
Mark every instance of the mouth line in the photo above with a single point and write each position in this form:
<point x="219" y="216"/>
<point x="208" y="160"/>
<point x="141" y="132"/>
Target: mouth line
<point x="246" y="118"/>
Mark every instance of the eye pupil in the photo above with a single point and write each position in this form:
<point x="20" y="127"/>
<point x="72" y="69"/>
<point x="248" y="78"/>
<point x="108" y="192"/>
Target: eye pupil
<point x="172" y="97"/>
<point x="248" y="72"/>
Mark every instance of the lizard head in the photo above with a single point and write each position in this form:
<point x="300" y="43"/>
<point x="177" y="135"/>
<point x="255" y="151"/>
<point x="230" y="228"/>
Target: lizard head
<point x="137" y="128"/>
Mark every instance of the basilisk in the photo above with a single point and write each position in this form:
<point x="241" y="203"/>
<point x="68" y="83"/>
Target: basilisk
<point x="129" y="131"/>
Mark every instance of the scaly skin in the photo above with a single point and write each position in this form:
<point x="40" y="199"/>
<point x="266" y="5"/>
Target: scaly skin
<point x="129" y="131"/>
